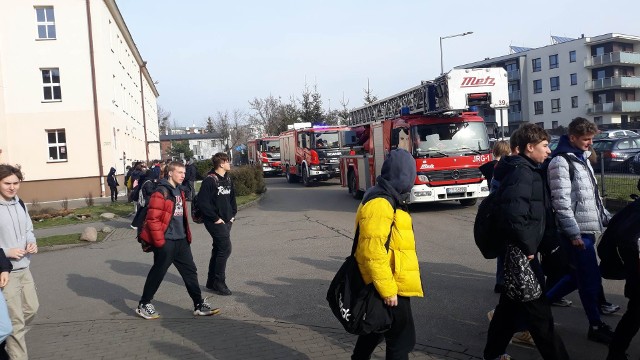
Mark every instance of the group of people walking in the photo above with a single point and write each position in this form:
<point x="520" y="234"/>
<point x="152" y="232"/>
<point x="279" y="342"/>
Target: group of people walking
<point x="549" y="207"/>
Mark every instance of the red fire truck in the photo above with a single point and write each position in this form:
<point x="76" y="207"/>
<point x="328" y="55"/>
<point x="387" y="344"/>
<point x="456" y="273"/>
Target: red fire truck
<point x="432" y="121"/>
<point x="265" y="152"/>
<point x="312" y="153"/>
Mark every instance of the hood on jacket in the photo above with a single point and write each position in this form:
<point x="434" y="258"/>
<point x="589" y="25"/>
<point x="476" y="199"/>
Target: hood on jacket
<point x="508" y="163"/>
<point x="112" y="171"/>
<point x="175" y="190"/>
<point x="565" y="146"/>
<point x="397" y="177"/>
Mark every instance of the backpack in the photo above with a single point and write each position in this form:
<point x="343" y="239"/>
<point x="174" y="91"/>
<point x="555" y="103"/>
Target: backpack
<point x="572" y="166"/>
<point x="139" y="221"/>
<point x="139" y="193"/>
<point x="485" y="228"/>
<point x="196" y="213"/>
<point x="357" y="305"/>
<point x="619" y="239"/>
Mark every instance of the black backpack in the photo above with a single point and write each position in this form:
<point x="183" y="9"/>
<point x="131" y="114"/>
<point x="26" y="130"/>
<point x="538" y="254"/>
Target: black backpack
<point x="485" y="229"/>
<point x="619" y="239"/>
<point x="196" y="213"/>
<point x="357" y="305"/>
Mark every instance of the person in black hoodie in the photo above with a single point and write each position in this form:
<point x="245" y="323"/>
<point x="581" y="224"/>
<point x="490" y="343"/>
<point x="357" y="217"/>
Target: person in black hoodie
<point x="217" y="202"/>
<point x="112" y="181"/>
<point x="524" y="206"/>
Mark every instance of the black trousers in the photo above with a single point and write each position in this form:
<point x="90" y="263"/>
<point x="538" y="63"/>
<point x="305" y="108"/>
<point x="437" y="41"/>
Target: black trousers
<point x="178" y="253"/>
<point x="540" y="320"/>
<point x="220" y="252"/>
<point x="625" y="331"/>
<point x="114" y="193"/>
<point x="400" y="339"/>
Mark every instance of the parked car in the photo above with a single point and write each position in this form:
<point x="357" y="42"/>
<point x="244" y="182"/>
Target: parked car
<point x="613" y="134"/>
<point x="617" y="153"/>
<point x="553" y="144"/>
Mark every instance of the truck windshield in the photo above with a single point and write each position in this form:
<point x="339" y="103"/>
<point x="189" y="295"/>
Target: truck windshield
<point x="271" y="146"/>
<point x="326" y="140"/>
<point x="449" y="139"/>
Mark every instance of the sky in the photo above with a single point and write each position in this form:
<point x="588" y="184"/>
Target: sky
<point x="211" y="56"/>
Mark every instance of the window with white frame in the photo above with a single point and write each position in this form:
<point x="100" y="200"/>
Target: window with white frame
<point x="46" y="22"/>
<point x="574" y="102"/>
<point x="555" y="105"/>
<point x="57" y="143"/>
<point x="553" y="61"/>
<point x="536" y="64"/>
<point x="554" y="124"/>
<point x="554" y="83"/>
<point x="51" y="84"/>
<point x="574" y="78"/>
<point x="572" y="56"/>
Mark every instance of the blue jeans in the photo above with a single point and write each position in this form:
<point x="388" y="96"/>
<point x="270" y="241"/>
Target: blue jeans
<point x="5" y="322"/>
<point x="585" y="277"/>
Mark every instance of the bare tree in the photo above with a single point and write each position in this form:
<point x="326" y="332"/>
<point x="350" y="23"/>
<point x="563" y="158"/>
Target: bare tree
<point x="163" y="119"/>
<point x="344" y="112"/>
<point x="265" y="115"/>
<point x="222" y="127"/>
<point x="239" y="131"/>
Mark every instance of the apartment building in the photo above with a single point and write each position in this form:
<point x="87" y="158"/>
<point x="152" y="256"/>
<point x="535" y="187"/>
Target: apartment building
<point x="204" y="145"/>
<point x="593" y="77"/>
<point x="76" y="97"/>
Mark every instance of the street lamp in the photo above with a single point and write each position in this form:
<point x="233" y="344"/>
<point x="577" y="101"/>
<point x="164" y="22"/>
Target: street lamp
<point x="447" y="37"/>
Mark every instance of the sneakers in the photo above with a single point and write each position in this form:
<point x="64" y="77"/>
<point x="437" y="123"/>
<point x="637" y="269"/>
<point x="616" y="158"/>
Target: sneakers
<point x="147" y="311"/>
<point x="204" y="309"/>
<point x="563" y="303"/>
<point x="601" y="333"/>
<point x="608" y="308"/>
<point x="523" y="337"/>
<point x="219" y="289"/>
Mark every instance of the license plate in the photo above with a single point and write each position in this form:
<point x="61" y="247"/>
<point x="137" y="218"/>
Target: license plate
<point x="456" y="190"/>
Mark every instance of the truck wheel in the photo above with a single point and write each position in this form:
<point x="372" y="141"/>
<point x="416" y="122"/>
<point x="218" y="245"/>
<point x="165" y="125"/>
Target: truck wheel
<point x="468" y="202"/>
<point x="305" y="177"/>
<point x="353" y="187"/>
<point x="290" y="177"/>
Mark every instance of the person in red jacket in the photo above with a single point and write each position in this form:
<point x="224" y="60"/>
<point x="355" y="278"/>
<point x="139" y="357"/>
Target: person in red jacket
<point x="166" y="230"/>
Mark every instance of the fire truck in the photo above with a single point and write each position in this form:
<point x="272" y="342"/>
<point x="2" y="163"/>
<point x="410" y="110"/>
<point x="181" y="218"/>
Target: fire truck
<point x="433" y="122"/>
<point x="265" y="152"/>
<point x="312" y="153"/>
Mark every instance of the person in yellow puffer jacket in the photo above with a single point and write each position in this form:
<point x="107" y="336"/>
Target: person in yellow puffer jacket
<point x="395" y="273"/>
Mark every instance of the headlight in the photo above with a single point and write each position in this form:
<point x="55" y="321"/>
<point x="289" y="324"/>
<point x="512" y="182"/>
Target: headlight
<point x="314" y="167"/>
<point x="423" y="178"/>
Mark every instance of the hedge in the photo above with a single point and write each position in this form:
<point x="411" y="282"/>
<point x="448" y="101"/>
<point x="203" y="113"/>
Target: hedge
<point x="247" y="179"/>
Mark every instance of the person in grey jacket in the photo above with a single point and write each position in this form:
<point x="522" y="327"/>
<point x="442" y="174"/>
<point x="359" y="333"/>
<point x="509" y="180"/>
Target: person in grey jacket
<point x="19" y="244"/>
<point x="581" y="217"/>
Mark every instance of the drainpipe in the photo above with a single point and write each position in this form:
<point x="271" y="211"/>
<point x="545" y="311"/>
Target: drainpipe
<point x="95" y="99"/>
<point x="144" y="118"/>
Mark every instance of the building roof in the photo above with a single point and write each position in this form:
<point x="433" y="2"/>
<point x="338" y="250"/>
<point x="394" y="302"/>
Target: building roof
<point x="206" y="136"/>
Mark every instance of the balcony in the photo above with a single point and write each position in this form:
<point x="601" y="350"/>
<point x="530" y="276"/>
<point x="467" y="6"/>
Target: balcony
<point x="515" y="117"/>
<point x="614" y="107"/>
<point x="514" y="96"/>
<point x="613" y="58"/>
<point x="620" y="82"/>
<point x="513" y="75"/>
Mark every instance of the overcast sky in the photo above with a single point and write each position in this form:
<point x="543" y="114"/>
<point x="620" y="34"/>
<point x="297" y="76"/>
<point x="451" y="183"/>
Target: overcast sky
<point x="211" y="56"/>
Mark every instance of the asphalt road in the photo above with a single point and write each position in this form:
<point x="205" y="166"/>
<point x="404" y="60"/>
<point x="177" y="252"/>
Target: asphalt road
<point x="286" y="250"/>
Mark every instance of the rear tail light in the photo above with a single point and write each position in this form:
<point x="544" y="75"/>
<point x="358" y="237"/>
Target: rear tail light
<point x="609" y="155"/>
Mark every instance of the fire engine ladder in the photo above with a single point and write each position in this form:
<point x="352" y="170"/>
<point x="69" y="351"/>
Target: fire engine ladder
<point x="412" y="101"/>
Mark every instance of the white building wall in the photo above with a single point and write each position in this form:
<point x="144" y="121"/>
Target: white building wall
<point x="205" y="148"/>
<point x="25" y="116"/>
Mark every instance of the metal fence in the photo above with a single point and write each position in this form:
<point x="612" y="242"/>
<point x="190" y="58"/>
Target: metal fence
<point x="618" y="178"/>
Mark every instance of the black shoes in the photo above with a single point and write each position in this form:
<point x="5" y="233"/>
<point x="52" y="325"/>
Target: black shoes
<point x="220" y="289"/>
<point x="601" y="333"/>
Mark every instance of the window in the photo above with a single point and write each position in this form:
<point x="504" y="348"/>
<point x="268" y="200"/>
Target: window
<point x="536" y="64"/>
<point x="46" y="22"/>
<point x="537" y="86"/>
<point x="538" y="108"/>
<point x="555" y="83"/>
<point x="555" y="105"/>
<point x="572" y="56"/>
<point x="57" y="141"/>
<point x="554" y="124"/>
<point x="574" y="79"/>
<point x="553" y="61"/>
<point x="51" y="84"/>
<point x="541" y="124"/>
<point x="597" y="120"/>
<point x="574" y="102"/>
